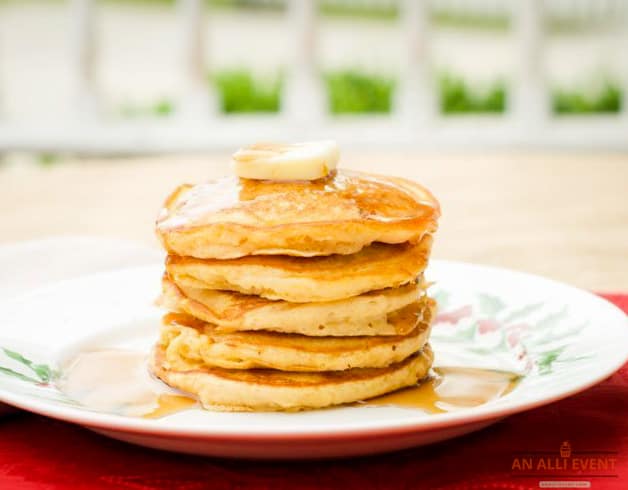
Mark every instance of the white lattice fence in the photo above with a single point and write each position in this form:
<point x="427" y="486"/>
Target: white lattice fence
<point x="198" y="125"/>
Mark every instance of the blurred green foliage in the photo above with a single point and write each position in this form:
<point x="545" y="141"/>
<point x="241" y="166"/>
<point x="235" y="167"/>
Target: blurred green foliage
<point x="353" y="92"/>
<point x="469" y="20"/>
<point x="365" y="10"/>
<point x="608" y="99"/>
<point x="248" y="4"/>
<point x="578" y="24"/>
<point x="240" y="91"/>
<point x="456" y="96"/>
<point x="163" y="107"/>
<point x="357" y="92"/>
<point x="160" y="108"/>
<point x="47" y="159"/>
<point x="440" y="15"/>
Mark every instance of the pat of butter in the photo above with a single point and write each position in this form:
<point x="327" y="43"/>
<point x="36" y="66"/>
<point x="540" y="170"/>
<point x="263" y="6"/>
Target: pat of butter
<point x="278" y="161"/>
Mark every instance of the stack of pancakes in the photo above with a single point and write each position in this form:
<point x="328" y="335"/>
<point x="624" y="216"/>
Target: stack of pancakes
<point x="287" y="295"/>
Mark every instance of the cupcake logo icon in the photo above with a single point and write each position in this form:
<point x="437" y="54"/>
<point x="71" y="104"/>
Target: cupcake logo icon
<point x="565" y="449"/>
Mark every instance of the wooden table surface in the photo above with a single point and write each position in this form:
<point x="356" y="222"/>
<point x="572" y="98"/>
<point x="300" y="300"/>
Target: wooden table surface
<point x="560" y="215"/>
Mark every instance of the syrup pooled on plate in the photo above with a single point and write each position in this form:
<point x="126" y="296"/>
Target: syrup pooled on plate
<point x="118" y="381"/>
<point x="168" y="404"/>
<point x="450" y="389"/>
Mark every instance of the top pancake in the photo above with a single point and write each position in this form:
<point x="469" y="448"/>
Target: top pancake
<point x="339" y="214"/>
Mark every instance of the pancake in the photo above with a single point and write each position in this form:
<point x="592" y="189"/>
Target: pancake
<point x="339" y="214"/>
<point x="191" y="342"/>
<point x="304" y="280"/>
<point x="373" y="313"/>
<point x="270" y="390"/>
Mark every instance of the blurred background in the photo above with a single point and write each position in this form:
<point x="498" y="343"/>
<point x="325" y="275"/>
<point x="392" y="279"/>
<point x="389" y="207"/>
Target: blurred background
<point x="129" y="76"/>
<point x="513" y="111"/>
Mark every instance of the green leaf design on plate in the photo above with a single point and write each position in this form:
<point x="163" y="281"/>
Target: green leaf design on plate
<point x="542" y="342"/>
<point x="551" y="335"/>
<point x="502" y="346"/>
<point x="522" y="312"/>
<point x="551" y="320"/>
<point x="490" y="305"/>
<point x="20" y="376"/>
<point x="43" y="371"/>
<point x="461" y="336"/>
<point x="547" y="358"/>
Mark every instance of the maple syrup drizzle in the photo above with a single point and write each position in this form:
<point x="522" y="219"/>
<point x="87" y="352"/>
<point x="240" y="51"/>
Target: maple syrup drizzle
<point x="118" y="381"/>
<point x="449" y="389"/>
<point x="168" y="404"/>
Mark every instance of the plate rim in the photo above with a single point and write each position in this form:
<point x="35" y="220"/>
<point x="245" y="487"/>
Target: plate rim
<point x="119" y="423"/>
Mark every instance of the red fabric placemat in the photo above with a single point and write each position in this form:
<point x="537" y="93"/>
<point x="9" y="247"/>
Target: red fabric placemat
<point x="37" y="453"/>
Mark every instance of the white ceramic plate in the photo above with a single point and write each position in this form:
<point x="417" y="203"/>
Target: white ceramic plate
<point x="560" y="339"/>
